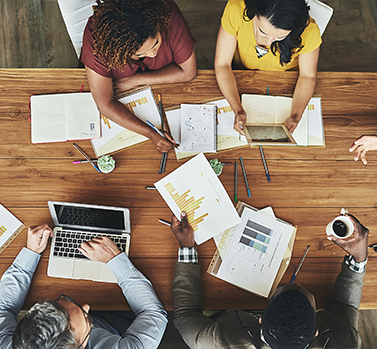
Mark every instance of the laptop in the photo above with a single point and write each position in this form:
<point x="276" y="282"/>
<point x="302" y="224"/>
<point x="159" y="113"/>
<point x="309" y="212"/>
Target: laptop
<point x="75" y="223"/>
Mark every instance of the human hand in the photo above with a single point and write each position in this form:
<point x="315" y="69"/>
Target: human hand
<point x="362" y="145"/>
<point x="357" y="246"/>
<point x="100" y="249"/>
<point x="183" y="231"/>
<point x="37" y="237"/>
<point x="239" y="121"/>
<point x="291" y="123"/>
<point x="163" y="145"/>
<point x="124" y="84"/>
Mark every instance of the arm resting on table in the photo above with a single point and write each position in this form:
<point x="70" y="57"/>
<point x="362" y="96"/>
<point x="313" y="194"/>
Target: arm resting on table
<point x="147" y="329"/>
<point x="14" y="286"/>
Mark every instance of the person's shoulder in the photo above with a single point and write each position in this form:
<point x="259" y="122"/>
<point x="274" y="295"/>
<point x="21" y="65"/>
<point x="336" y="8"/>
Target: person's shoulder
<point x="312" y="30"/>
<point x="237" y="4"/>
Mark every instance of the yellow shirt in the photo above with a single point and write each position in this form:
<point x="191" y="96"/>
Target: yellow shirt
<point x="246" y="55"/>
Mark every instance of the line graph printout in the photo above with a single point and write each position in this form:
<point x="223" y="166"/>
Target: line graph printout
<point x="254" y="255"/>
<point x="195" y="189"/>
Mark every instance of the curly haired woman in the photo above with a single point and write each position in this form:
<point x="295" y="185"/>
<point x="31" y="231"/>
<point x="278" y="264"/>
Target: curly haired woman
<point x="136" y="42"/>
<point x="272" y="35"/>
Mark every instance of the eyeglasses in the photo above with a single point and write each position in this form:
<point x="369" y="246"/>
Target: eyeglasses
<point x="263" y="340"/>
<point x="86" y="315"/>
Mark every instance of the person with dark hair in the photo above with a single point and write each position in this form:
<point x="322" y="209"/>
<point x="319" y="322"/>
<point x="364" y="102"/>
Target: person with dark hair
<point x="290" y="320"/>
<point x="64" y="324"/>
<point x="128" y="43"/>
<point x="273" y="35"/>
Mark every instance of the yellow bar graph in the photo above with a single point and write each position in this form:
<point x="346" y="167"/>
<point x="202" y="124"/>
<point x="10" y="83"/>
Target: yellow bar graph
<point x="2" y="230"/>
<point x="187" y="204"/>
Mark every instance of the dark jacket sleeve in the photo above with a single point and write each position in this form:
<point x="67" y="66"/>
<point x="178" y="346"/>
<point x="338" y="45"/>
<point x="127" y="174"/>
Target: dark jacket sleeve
<point x="197" y="330"/>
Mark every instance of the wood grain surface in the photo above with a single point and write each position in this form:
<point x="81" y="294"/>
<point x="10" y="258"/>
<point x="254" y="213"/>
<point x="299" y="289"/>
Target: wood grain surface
<point x="308" y="185"/>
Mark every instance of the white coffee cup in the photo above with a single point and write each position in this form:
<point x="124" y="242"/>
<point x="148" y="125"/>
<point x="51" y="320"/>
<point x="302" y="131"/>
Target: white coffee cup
<point x="341" y="227"/>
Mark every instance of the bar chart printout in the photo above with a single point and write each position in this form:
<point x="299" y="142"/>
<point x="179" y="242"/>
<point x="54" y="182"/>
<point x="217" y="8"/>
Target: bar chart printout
<point x="256" y="236"/>
<point x="188" y="204"/>
<point x="255" y="252"/>
<point x="194" y="188"/>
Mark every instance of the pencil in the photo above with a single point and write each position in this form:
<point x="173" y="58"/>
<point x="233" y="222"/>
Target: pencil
<point x="151" y="188"/>
<point x="164" y="155"/>
<point x="245" y="178"/>
<point x="235" y="181"/>
<point x="83" y="161"/>
<point x="163" y="162"/>
<point x="264" y="163"/>
<point x="86" y="157"/>
<point x="300" y="264"/>
<point x="164" y="222"/>
<point x="227" y="163"/>
<point x="160" y="108"/>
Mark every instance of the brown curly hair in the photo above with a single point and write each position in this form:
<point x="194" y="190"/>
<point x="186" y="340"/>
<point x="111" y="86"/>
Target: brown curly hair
<point x="120" y="28"/>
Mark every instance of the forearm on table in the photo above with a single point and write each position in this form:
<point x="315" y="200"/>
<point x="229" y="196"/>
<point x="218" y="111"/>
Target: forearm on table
<point x="14" y="287"/>
<point x="137" y="289"/>
<point x="170" y="74"/>
<point x="303" y="92"/>
<point x="228" y="86"/>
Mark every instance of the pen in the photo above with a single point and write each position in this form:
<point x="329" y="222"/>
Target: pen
<point x="163" y="163"/>
<point x="164" y="222"/>
<point x="300" y="264"/>
<point x="83" y="161"/>
<point x="155" y="128"/>
<point x="227" y="163"/>
<point x="86" y="157"/>
<point x="235" y="181"/>
<point x="160" y="107"/>
<point x="151" y="188"/>
<point x="245" y="178"/>
<point x="164" y="156"/>
<point x="264" y="163"/>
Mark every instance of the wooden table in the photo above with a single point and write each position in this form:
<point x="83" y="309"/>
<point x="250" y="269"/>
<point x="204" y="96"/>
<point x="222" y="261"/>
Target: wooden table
<point x="308" y="186"/>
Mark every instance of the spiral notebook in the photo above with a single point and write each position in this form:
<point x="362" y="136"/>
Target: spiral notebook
<point x="198" y="128"/>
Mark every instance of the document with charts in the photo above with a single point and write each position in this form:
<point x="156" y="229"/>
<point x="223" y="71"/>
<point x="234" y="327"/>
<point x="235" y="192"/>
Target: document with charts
<point x="194" y="188"/>
<point x="255" y="252"/>
<point x="10" y="227"/>
<point x="227" y="137"/>
<point x="142" y="103"/>
<point x="198" y="128"/>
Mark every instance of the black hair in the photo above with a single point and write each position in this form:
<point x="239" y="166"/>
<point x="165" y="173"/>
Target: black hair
<point x="290" y="15"/>
<point x="289" y="321"/>
<point x="120" y="28"/>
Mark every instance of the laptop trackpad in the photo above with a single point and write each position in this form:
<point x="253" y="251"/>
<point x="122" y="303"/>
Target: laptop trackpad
<point x="87" y="270"/>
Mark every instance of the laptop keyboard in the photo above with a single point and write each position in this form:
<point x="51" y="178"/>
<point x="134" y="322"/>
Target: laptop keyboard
<point x="68" y="241"/>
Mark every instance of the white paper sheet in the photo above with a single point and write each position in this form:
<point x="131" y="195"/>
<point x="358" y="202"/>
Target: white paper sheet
<point x="195" y="188"/>
<point x="255" y="253"/>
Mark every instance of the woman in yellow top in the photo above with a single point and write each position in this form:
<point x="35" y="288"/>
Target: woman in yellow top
<point x="273" y="35"/>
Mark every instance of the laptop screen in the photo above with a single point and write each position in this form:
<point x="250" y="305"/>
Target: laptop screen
<point x="89" y="217"/>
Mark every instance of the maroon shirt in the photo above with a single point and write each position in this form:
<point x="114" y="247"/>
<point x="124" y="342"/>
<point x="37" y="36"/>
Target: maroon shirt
<point x="177" y="46"/>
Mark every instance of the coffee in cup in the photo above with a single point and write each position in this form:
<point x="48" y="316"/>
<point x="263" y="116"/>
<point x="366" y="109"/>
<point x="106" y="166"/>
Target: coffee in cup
<point x="341" y="227"/>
